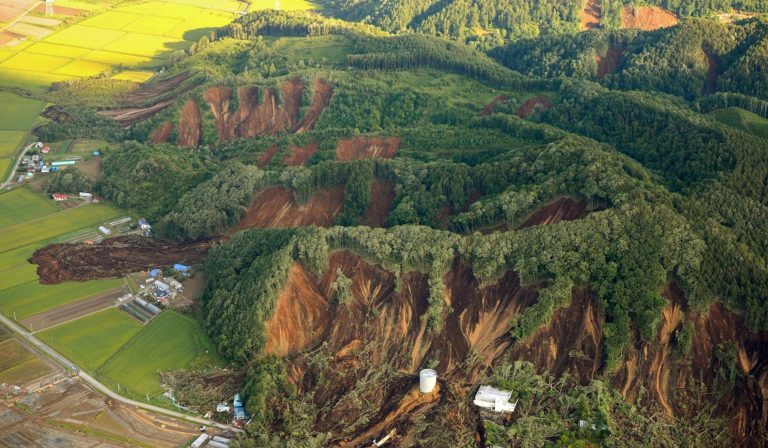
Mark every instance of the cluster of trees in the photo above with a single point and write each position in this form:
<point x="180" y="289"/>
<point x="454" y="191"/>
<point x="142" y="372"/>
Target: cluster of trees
<point x="69" y="122"/>
<point x="150" y="179"/>
<point x="691" y="60"/>
<point x="67" y="181"/>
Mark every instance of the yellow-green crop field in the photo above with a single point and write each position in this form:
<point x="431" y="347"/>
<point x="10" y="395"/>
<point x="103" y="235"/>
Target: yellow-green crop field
<point x="19" y="364"/>
<point x="285" y="5"/>
<point x="133" y="35"/>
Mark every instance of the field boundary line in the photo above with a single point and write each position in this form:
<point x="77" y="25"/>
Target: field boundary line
<point x="76" y="318"/>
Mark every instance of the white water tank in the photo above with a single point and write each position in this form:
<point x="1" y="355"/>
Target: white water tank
<point x="427" y="381"/>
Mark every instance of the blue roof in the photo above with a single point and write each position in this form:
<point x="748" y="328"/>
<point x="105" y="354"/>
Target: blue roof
<point x="181" y="267"/>
<point x="237" y="402"/>
<point x="239" y="413"/>
<point x="154" y="272"/>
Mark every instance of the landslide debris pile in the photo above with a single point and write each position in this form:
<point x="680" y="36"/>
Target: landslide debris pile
<point x="113" y="257"/>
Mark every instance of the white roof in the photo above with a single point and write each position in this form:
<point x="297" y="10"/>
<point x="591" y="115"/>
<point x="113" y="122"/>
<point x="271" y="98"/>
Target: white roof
<point x="491" y="398"/>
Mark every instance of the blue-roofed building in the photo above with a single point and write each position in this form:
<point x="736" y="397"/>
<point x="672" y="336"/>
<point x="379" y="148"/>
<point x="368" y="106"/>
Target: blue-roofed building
<point x="155" y="272"/>
<point x="182" y="269"/>
<point x="237" y="403"/>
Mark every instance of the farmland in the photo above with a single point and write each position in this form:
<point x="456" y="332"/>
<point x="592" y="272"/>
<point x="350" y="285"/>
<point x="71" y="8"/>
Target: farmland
<point x="22" y="205"/>
<point x="31" y="298"/>
<point x="18" y="364"/>
<point x="170" y="341"/>
<point x="91" y="340"/>
<point x="9" y="141"/>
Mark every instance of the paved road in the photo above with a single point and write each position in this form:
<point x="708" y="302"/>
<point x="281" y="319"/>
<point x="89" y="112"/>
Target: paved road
<point x="42" y="347"/>
<point x="16" y="166"/>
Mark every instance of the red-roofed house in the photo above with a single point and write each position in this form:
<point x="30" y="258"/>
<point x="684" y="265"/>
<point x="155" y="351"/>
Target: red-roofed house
<point x="59" y="197"/>
<point x="46" y="149"/>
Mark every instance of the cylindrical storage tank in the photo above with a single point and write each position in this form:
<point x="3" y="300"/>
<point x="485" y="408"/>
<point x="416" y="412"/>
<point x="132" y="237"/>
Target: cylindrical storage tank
<point x="427" y="381"/>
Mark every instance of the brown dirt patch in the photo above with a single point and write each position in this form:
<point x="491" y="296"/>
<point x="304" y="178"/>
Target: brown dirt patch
<point x="277" y="207"/>
<point x="300" y="314"/>
<point x="59" y="10"/>
<point x="190" y="125"/>
<point x="321" y="96"/>
<point x="71" y="311"/>
<point x="590" y="15"/>
<point x="148" y="91"/>
<point x="563" y="209"/>
<point x="533" y="104"/>
<point x="647" y="18"/>
<point x="91" y="168"/>
<point x="7" y="36"/>
<point x="299" y="156"/>
<point x="382" y="196"/>
<point x="161" y="134"/>
<point x="488" y="109"/>
<point x="713" y="72"/>
<point x="113" y="257"/>
<point x="133" y="115"/>
<point x="265" y="158"/>
<point x="367" y="148"/>
<point x="610" y="62"/>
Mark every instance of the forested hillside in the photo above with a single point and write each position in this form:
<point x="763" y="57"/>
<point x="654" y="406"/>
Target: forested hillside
<point x="578" y="217"/>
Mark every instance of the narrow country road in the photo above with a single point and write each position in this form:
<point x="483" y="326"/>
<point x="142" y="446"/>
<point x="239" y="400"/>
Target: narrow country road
<point x="16" y="166"/>
<point x="47" y="350"/>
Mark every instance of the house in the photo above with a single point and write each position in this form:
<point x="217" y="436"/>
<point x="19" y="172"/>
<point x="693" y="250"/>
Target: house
<point x="155" y="272"/>
<point x="160" y="289"/>
<point x="38" y="145"/>
<point x="59" y="197"/>
<point x="239" y="409"/>
<point x="35" y="157"/>
<point x="143" y="224"/>
<point x="183" y="269"/>
<point x="46" y="149"/>
<point x="86" y="196"/>
<point x="45" y="169"/>
<point x="222" y="407"/>
<point x="497" y="400"/>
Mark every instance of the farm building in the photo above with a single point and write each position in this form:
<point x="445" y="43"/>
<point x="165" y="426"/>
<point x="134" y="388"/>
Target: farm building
<point x="155" y="272"/>
<point x="144" y="225"/>
<point x="237" y="403"/>
<point x="497" y="400"/>
<point x="59" y="197"/>
<point x="104" y="230"/>
<point x="63" y="163"/>
<point x="182" y="269"/>
<point x="200" y="441"/>
<point x="175" y="284"/>
<point x="161" y="289"/>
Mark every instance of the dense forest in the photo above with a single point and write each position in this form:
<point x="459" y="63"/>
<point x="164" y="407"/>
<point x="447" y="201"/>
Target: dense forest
<point x="440" y="166"/>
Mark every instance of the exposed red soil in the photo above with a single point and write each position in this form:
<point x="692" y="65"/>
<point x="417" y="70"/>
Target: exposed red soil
<point x="713" y="71"/>
<point x="563" y="209"/>
<point x="610" y="62"/>
<point x="277" y="207"/>
<point x="267" y="157"/>
<point x="358" y="148"/>
<point x="190" y="125"/>
<point x="161" y="134"/>
<point x="590" y="15"/>
<point x="647" y="18"/>
<point x="7" y="36"/>
<point x="60" y="10"/>
<point x="133" y="115"/>
<point x="382" y="327"/>
<point x="533" y="104"/>
<point x="382" y="196"/>
<point x="321" y="96"/>
<point x="265" y="117"/>
<point x="113" y="257"/>
<point x="299" y="156"/>
<point x="488" y="109"/>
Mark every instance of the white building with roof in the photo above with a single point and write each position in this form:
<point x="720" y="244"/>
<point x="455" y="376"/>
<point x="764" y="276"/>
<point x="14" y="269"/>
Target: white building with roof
<point x="496" y="400"/>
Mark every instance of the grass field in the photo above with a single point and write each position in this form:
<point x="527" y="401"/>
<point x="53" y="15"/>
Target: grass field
<point x="333" y="48"/>
<point x="32" y="297"/>
<point x="134" y="75"/>
<point x="91" y="340"/>
<point x="744" y="120"/>
<point x="9" y="141"/>
<point x="18" y="113"/>
<point x="170" y="341"/>
<point x="50" y="226"/>
<point x="19" y="205"/>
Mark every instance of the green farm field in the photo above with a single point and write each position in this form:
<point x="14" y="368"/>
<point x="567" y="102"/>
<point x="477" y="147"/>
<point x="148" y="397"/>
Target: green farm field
<point x="18" y="113"/>
<point x="9" y="142"/>
<point x="31" y="298"/>
<point x="168" y="342"/>
<point x="91" y="340"/>
<point x="50" y="226"/>
<point x="20" y="205"/>
<point x="19" y="364"/>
